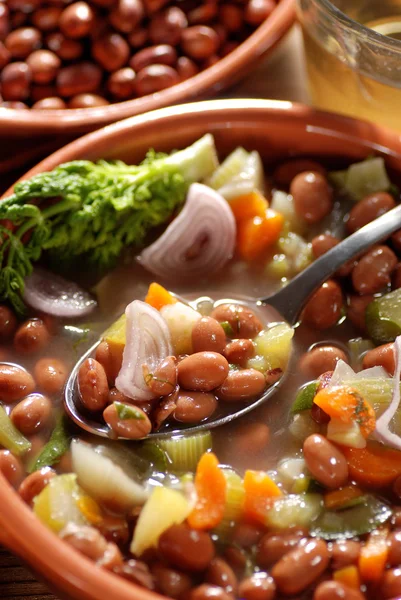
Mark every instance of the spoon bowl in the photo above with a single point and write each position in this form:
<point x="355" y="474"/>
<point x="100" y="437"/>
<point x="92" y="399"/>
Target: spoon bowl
<point x="285" y="305"/>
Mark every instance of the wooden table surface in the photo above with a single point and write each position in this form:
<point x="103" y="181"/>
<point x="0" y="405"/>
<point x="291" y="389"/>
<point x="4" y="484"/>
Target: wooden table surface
<point x="281" y="76"/>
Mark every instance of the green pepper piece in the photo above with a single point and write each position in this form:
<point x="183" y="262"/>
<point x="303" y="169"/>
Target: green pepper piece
<point x="128" y="411"/>
<point x="10" y="437"/>
<point x="55" y="448"/>
<point x="304" y="397"/>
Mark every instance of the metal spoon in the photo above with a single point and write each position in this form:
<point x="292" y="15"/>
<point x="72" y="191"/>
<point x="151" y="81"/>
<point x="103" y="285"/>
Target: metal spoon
<point x="284" y="305"/>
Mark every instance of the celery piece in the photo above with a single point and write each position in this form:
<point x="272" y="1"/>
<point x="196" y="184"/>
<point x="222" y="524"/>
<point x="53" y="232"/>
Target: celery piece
<point x="304" y="397"/>
<point x="302" y="425"/>
<point x="294" y="510"/>
<point x="154" y="455"/>
<point x="383" y="317"/>
<point x="363" y="178"/>
<point x="55" y="448"/>
<point x="278" y="267"/>
<point x="283" y="203"/>
<point x="184" y="452"/>
<point x="235" y="495"/>
<point x="228" y="169"/>
<point x="357" y="348"/>
<point x="351" y="522"/>
<point x="301" y="485"/>
<point x="249" y="179"/>
<point x="57" y="505"/>
<point x="165" y="507"/>
<point x="10" y="437"/>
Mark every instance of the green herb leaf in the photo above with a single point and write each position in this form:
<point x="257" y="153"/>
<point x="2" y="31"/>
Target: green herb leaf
<point x="55" y="448"/>
<point x="128" y="411"/>
<point x="228" y="330"/>
<point x="304" y="397"/>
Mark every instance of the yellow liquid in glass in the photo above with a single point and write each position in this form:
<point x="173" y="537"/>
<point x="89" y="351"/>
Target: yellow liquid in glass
<point x="336" y="85"/>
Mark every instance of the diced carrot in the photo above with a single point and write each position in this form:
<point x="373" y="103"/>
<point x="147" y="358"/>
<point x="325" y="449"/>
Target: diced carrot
<point x="256" y="235"/>
<point x="339" y="498"/>
<point x="346" y="404"/>
<point x="158" y="296"/>
<point x="249" y="206"/>
<point x="260" y="493"/>
<point x="210" y="485"/>
<point x="349" y="576"/>
<point x="373" y="556"/>
<point x="374" y="466"/>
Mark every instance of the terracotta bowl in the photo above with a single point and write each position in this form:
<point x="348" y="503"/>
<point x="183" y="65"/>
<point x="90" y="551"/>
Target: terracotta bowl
<point x="276" y="129"/>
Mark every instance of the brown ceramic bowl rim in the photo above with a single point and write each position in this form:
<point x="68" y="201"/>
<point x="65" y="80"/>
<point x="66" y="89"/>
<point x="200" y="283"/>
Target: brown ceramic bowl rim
<point x="20" y="530"/>
<point x="211" y="79"/>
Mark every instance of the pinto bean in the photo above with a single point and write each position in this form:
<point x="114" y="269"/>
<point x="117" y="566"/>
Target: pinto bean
<point x="137" y="572"/>
<point x="373" y="271"/>
<point x="171" y="582"/>
<point x="46" y="18"/>
<point x="396" y="241"/>
<point x="251" y="438"/>
<point x="273" y="546"/>
<point x="50" y="375"/>
<point x="321" y="359"/>
<point x="194" y="407"/>
<point x="111" y="51"/>
<point x="64" y="47"/>
<point x="202" y="371"/>
<point x="87" y="101"/>
<point x="186" y="68"/>
<point x="260" y="586"/>
<point x="256" y="11"/>
<point x="231" y="17"/>
<point x="15" y="383"/>
<point x="199" y="42"/>
<point x="323" y="310"/>
<point x="87" y="540"/>
<point x="163" y="54"/>
<point x="313" y="197"/>
<point x="390" y="585"/>
<point x="334" y="590"/>
<point x="238" y="352"/>
<point x="76" y="20"/>
<point x="186" y="548"/>
<point x="155" y="78"/>
<point x="121" y="83"/>
<point x="246" y="535"/>
<point x="80" y="78"/>
<point x="396" y="278"/>
<point x="44" y="66"/>
<point x="167" y="26"/>
<point x="35" y="483"/>
<point x="31" y="337"/>
<point x="345" y="553"/>
<point x="221" y="574"/>
<point x="131" y="428"/>
<point x="11" y="468"/>
<point x="209" y="592"/>
<point x="208" y="335"/>
<point x="241" y="386"/>
<point x="243" y="321"/>
<point x="164" y="378"/>
<point x="8" y="323"/>
<point x="93" y="386"/>
<point x="326" y="463"/>
<point x="300" y="567"/>
<point x="32" y="414"/>
<point x="289" y="169"/>
<point x="127" y="15"/>
<point x="394" y="548"/>
<point x="382" y="356"/>
<point x="15" y="81"/>
<point x="21" y="42"/>
<point x="357" y="308"/>
<point x="236" y="558"/>
<point x="325" y="242"/>
<point x="111" y="358"/>
<point x="368" y="209"/>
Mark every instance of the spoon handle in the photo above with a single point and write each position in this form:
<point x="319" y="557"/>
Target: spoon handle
<point x="291" y="299"/>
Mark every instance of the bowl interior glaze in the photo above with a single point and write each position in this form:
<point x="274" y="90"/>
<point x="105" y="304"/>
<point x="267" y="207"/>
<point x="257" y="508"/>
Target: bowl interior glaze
<point x="276" y="129"/>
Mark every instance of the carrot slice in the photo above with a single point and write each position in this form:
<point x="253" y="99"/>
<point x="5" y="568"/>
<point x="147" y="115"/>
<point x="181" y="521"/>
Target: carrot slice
<point x="374" y="466"/>
<point x="339" y="498"/>
<point x="210" y="485"/>
<point x="256" y="235"/>
<point x="260" y="493"/>
<point x="348" y="405"/>
<point x="249" y="206"/>
<point x="373" y="556"/>
<point x="349" y="576"/>
<point x="158" y="296"/>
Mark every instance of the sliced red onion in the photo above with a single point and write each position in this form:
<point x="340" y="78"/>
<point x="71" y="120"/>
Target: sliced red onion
<point x="382" y="431"/>
<point x="54" y="295"/>
<point x="147" y="343"/>
<point x="200" y="240"/>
